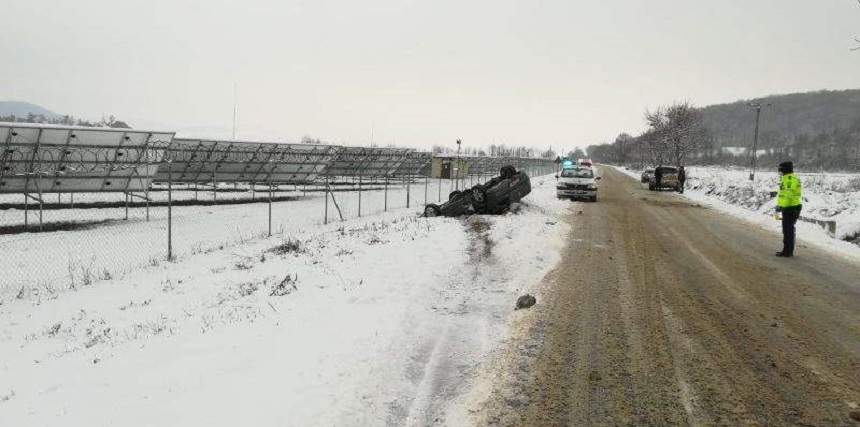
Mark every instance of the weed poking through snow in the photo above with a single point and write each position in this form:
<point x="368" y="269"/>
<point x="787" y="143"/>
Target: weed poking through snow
<point x="286" y="287"/>
<point x="288" y="246"/>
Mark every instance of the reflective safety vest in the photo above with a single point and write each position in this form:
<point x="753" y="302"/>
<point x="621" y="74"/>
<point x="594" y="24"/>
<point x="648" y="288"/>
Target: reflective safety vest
<point x="789" y="191"/>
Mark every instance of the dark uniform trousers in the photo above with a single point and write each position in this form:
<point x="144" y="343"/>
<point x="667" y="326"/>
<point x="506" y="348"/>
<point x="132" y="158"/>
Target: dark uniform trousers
<point x="789" y="218"/>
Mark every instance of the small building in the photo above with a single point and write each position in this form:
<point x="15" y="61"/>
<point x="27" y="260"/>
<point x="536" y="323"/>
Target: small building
<point x="449" y="167"/>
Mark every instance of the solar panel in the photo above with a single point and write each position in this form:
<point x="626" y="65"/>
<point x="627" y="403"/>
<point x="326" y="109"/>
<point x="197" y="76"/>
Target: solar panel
<point x="200" y="160"/>
<point x="40" y="158"/>
<point x="417" y="163"/>
<point x="484" y="165"/>
<point x="367" y="161"/>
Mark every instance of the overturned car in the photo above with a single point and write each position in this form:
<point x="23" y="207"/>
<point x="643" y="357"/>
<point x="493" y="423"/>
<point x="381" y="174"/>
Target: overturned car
<point x="492" y="197"/>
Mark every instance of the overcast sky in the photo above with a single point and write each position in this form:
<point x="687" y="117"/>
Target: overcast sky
<point x="563" y="73"/>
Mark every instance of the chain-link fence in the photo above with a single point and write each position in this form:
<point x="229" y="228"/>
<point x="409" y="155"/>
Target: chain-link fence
<point x="201" y="196"/>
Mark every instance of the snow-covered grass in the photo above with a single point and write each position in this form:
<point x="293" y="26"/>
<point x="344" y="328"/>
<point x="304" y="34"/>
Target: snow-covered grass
<point x="54" y="261"/>
<point x="370" y="321"/>
<point x="826" y="197"/>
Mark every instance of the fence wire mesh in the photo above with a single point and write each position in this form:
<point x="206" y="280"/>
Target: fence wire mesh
<point x="53" y="241"/>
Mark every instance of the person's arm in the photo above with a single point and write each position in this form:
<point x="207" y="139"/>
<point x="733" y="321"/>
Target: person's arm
<point x="781" y="195"/>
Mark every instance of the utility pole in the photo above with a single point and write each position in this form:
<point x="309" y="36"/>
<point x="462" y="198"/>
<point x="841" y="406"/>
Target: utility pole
<point x="757" y="106"/>
<point x="457" y="168"/>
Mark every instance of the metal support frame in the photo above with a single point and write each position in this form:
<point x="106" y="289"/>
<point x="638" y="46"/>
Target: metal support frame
<point x="169" y="213"/>
<point x="112" y="165"/>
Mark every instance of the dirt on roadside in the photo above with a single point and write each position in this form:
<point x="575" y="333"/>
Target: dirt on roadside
<point x="663" y="312"/>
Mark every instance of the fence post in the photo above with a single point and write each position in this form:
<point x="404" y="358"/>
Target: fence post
<point x="126" y="206"/>
<point x="359" y="195"/>
<point x="439" y="187"/>
<point x="40" y="210"/>
<point x="426" y="179"/>
<point x="325" y="218"/>
<point x="386" y="194"/>
<point x="26" y="213"/>
<point x="169" y="213"/>
<point x="270" y="209"/>
<point x="214" y="187"/>
<point x="408" y="179"/>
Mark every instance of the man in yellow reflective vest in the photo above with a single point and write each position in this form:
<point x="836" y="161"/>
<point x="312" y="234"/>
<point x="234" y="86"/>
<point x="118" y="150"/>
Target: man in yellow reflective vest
<point x="788" y="201"/>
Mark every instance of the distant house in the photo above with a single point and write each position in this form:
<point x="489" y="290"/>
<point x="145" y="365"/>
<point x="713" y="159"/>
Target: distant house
<point x="449" y="167"/>
<point x="735" y="151"/>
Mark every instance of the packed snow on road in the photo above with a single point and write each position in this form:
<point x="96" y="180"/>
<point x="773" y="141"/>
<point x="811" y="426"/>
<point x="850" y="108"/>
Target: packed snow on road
<point x="376" y="320"/>
<point x="827" y="197"/>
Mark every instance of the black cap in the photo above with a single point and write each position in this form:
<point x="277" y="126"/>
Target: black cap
<point x="786" y="167"/>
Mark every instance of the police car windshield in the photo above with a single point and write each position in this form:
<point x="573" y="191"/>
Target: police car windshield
<point x="577" y="173"/>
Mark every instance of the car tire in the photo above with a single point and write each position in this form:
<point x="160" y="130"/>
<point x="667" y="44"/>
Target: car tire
<point x="651" y="187"/>
<point x="453" y="195"/>
<point x="507" y="172"/>
<point x="593" y="199"/>
<point x="479" y="196"/>
<point x="432" y="210"/>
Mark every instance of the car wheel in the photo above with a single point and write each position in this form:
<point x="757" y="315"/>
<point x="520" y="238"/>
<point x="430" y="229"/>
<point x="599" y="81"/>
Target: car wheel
<point x="479" y="195"/>
<point x="507" y="172"/>
<point x="432" y="210"/>
<point x="593" y="198"/>
<point x="454" y="194"/>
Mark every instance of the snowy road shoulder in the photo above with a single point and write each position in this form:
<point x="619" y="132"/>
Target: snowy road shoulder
<point x="826" y="197"/>
<point x="366" y="322"/>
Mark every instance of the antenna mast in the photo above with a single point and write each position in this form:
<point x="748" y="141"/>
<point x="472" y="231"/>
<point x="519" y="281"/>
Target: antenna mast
<point x="235" y="109"/>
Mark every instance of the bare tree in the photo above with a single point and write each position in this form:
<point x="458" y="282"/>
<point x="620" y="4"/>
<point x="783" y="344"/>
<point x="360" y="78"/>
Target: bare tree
<point x="856" y="39"/>
<point x="674" y="132"/>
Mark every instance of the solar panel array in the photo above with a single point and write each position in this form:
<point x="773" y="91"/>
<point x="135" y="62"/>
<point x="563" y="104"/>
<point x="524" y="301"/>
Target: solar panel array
<point x="51" y="159"/>
<point x="196" y="161"/>
<point x="417" y="163"/>
<point x="368" y="161"/>
<point x="54" y="159"/>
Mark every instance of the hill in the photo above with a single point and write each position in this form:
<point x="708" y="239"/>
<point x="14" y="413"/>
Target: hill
<point x="22" y="109"/>
<point x="817" y="130"/>
<point x="786" y="119"/>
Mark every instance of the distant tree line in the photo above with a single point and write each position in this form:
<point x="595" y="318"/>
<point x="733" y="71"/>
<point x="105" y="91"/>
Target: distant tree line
<point x="111" y="121"/>
<point x="817" y="131"/>
<point x="496" y="150"/>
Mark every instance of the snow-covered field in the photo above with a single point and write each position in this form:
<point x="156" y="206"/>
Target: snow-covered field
<point x="53" y="261"/>
<point x="826" y="197"/>
<point x="363" y="322"/>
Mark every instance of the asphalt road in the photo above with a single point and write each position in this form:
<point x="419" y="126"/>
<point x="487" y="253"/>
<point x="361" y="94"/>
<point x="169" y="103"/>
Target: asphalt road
<point x="663" y="312"/>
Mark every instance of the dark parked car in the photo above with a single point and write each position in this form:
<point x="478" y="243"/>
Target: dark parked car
<point x="665" y="177"/>
<point x="493" y="197"/>
<point x="646" y="175"/>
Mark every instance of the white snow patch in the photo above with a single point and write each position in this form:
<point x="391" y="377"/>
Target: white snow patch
<point x="371" y="321"/>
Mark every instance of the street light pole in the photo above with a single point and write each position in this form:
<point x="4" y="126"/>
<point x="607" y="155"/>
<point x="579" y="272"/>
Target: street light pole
<point x="457" y="168"/>
<point x="757" y="106"/>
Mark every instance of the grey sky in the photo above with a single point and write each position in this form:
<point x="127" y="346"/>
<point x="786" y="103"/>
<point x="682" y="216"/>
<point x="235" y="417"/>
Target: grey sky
<point x="562" y="73"/>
